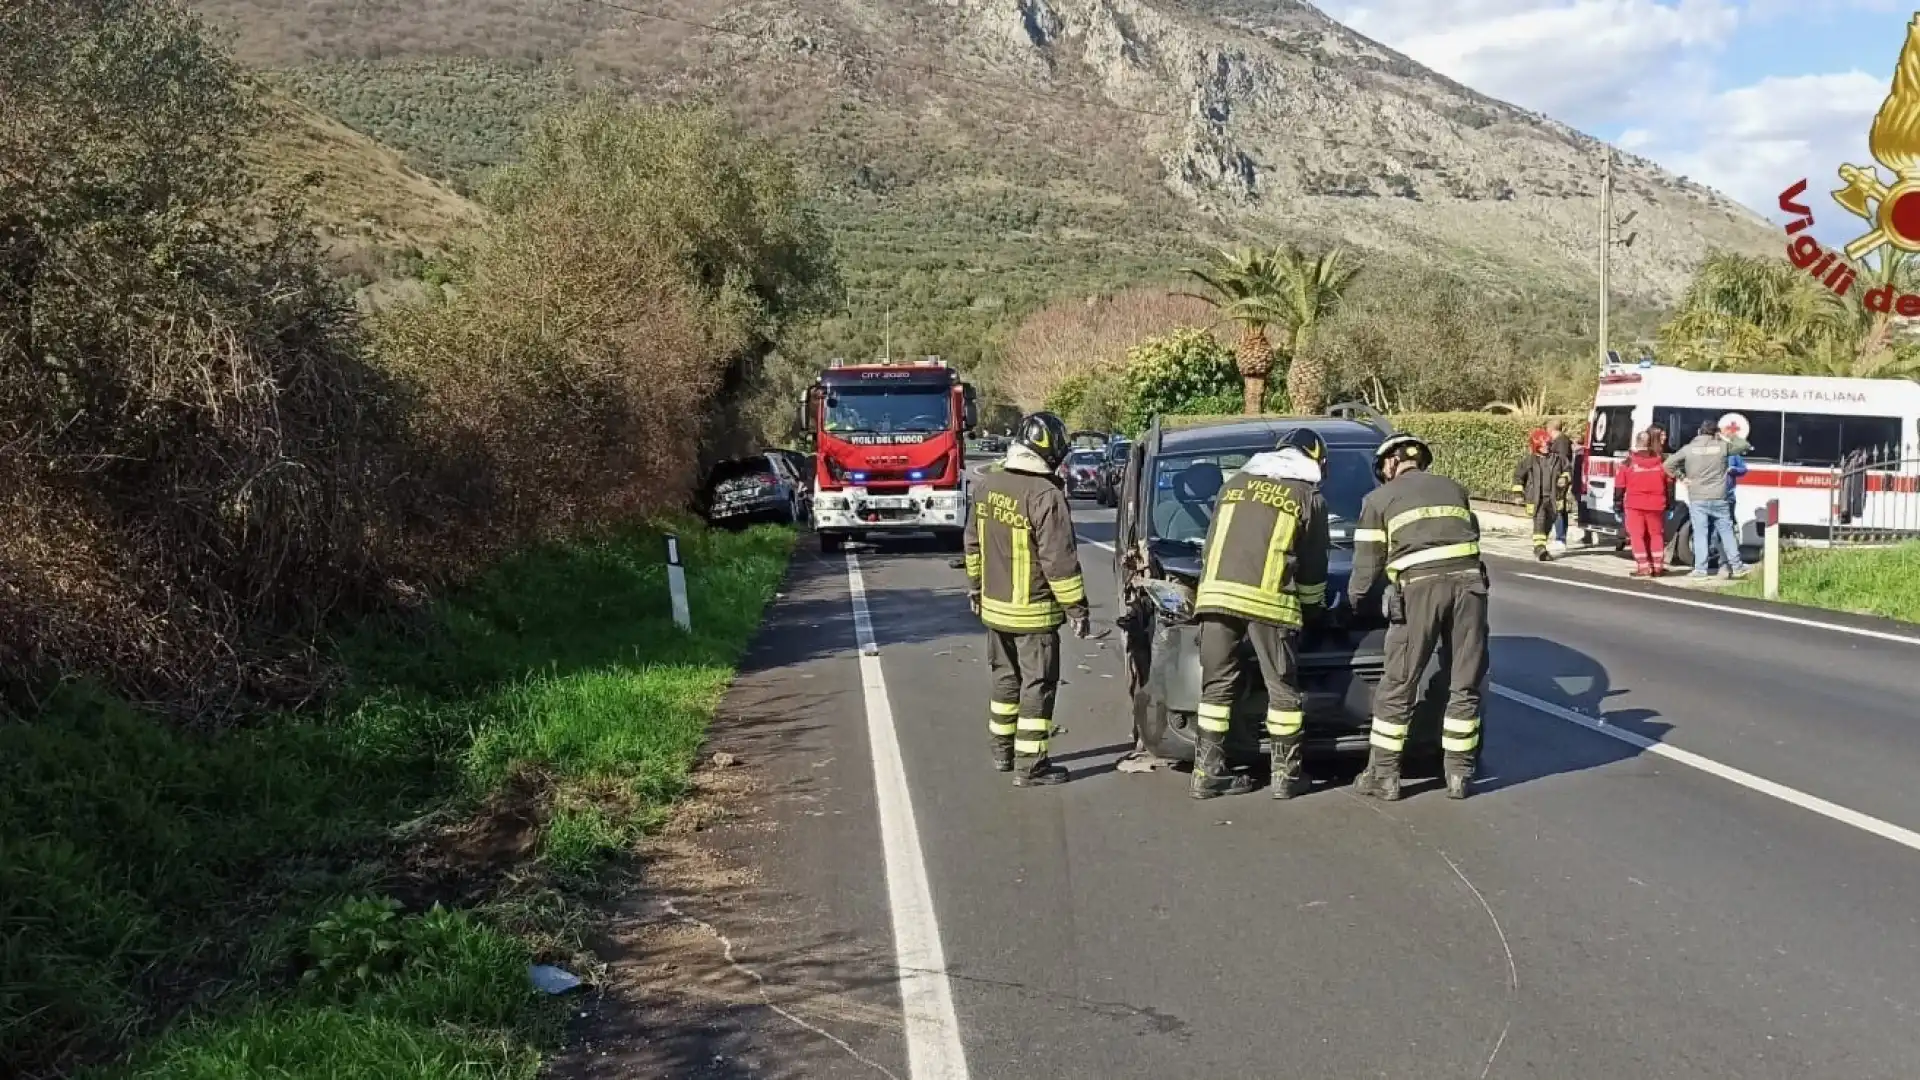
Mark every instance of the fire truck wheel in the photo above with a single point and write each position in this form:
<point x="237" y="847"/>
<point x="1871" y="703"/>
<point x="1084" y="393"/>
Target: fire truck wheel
<point x="831" y="543"/>
<point x="953" y="540"/>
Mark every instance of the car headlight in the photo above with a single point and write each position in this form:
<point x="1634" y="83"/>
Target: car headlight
<point x="1171" y="599"/>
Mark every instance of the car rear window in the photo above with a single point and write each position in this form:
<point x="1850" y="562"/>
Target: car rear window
<point x="1084" y="457"/>
<point x="740" y="469"/>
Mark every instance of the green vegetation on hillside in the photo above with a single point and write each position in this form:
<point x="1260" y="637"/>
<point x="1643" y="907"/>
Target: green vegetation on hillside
<point x="1864" y="581"/>
<point x="945" y="244"/>
<point x="484" y="757"/>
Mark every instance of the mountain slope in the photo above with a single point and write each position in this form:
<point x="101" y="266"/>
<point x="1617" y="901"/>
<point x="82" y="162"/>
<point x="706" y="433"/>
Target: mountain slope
<point x="980" y="154"/>
<point x="377" y="217"/>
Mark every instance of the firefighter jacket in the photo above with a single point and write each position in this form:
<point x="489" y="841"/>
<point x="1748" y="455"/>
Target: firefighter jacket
<point x="1418" y="522"/>
<point x="1022" y="561"/>
<point x="1266" y="550"/>
<point x="1544" y="479"/>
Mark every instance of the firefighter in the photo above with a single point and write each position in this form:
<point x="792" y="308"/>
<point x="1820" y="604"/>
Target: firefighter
<point x="1264" y="579"/>
<point x="1545" y="480"/>
<point x="1418" y="528"/>
<point x="1023" y="580"/>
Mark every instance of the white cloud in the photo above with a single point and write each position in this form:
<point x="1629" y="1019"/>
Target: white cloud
<point x="1658" y="69"/>
<point x="1585" y="61"/>
<point x="1754" y="141"/>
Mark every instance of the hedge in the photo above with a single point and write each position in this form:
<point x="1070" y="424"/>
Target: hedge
<point x="1479" y="449"/>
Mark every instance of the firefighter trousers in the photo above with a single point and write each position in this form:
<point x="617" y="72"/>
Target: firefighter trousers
<point x="1545" y="514"/>
<point x="1026" y="678"/>
<point x="1276" y="649"/>
<point x="1445" y="613"/>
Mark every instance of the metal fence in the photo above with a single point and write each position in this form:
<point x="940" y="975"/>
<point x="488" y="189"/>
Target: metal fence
<point x="1876" y="496"/>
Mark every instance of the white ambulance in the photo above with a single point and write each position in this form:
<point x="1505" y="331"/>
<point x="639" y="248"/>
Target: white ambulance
<point x="1804" y="431"/>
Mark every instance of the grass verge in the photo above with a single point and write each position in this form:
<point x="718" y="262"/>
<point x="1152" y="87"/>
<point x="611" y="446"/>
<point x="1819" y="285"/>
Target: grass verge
<point x="357" y="891"/>
<point x="1869" y="581"/>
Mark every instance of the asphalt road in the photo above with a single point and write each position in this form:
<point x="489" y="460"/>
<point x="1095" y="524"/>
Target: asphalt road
<point x="1596" y="911"/>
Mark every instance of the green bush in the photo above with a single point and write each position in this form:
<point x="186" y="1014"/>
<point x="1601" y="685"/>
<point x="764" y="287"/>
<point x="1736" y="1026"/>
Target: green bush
<point x="1478" y="449"/>
<point x="1177" y="374"/>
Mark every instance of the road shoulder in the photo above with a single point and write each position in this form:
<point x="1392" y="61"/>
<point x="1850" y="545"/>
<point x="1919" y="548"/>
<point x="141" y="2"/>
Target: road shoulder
<point x="755" y="941"/>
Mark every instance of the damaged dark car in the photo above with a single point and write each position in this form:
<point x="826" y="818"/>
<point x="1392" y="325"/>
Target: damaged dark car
<point x="1166" y="495"/>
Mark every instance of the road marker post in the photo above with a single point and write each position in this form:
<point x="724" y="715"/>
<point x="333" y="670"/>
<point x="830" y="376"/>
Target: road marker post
<point x="1770" y="557"/>
<point x="677" y="585"/>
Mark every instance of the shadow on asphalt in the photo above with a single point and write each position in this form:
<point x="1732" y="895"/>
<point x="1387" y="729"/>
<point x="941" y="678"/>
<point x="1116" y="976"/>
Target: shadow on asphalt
<point x="1573" y="680"/>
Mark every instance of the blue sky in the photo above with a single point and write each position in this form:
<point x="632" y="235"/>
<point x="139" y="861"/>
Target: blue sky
<point x="1744" y="95"/>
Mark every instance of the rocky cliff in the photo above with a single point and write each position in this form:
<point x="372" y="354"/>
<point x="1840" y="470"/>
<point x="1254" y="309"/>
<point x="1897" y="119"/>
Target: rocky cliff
<point x="1134" y="131"/>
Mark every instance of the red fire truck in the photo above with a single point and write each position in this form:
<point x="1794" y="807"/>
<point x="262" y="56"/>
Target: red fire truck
<point x="890" y="450"/>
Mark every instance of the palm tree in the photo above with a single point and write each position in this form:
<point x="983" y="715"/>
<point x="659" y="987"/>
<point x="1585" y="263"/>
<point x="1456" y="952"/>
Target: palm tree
<point x="1246" y="288"/>
<point x="1753" y="314"/>
<point x="1314" y="288"/>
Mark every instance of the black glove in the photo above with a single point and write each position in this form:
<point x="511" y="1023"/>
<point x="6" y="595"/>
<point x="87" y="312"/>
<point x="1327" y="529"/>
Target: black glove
<point x="1082" y="624"/>
<point x="973" y="601"/>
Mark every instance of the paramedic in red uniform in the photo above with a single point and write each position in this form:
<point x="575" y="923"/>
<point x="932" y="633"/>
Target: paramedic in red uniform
<point x="1643" y="488"/>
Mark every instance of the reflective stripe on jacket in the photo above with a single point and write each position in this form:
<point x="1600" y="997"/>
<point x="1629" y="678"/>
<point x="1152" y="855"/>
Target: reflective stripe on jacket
<point x="1020" y="552"/>
<point x="1418" y="521"/>
<point x="1266" y="551"/>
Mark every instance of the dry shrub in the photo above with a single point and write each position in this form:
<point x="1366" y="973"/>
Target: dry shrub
<point x="199" y="461"/>
<point x="1089" y="337"/>
<point x="189" y="432"/>
<point x="566" y="386"/>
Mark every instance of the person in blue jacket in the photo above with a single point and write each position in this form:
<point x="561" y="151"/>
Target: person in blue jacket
<point x="1736" y="468"/>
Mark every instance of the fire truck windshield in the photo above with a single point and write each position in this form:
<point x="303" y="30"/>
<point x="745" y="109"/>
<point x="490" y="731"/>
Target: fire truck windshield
<point x="885" y="410"/>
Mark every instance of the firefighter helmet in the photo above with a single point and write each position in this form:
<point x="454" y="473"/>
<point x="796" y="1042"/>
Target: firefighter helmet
<point x="1308" y="442"/>
<point x="1539" y="441"/>
<point x="1401" y="447"/>
<point x="1046" y="435"/>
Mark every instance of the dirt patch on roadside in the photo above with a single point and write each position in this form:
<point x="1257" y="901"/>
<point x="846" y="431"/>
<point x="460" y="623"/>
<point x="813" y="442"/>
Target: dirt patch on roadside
<point x="705" y="976"/>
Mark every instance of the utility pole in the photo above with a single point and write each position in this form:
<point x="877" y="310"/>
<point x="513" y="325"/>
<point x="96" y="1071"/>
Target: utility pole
<point x="889" y="332"/>
<point x="1606" y="246"/>
<point x="1609" y="239"/>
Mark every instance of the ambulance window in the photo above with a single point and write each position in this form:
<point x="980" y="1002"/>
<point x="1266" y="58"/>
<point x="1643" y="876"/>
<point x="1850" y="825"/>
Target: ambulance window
<point x="1879" y="436"/>
<point x="1763" y="435"/>
<point x="1811" y="439"/>
<point x="1612" y="431"/>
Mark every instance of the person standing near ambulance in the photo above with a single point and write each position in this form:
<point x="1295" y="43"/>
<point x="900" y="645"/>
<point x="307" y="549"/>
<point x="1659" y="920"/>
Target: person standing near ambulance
<point x="1544" y="479"/>
<point x="1643" y="491"/>
<point x="1264" y="579"/>
<point x="1419" y="529"/>
<point x="1023" y="580"/>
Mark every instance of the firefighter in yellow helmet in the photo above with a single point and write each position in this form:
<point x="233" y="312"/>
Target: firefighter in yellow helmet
<point x="1264" y="576"/>
<point x="1023" y="580"/>
<point x="1419" y="529"/>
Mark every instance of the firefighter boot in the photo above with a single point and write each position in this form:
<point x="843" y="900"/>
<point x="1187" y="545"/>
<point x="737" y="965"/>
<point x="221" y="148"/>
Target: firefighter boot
<point x="1459" y="773"/>
<point x="1381" y="778"/>
<point x="1288" y="777"/>
<point x="1210" y="776"/>
<point x="1038" y="772"/>
<point x="1002" y="753"/>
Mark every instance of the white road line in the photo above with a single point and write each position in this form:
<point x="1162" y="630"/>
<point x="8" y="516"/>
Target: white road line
<point x="1904" y="837"/>
<point x="932" y="1028"/>
<point x="1816" y="624"/>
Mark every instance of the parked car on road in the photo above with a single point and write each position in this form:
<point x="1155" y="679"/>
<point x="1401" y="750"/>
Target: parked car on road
<point x="1107" y="480"/>
<point x="1167" y="491"/>
<point x="1082" y="472"/>
<point x="755" y="489"/>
